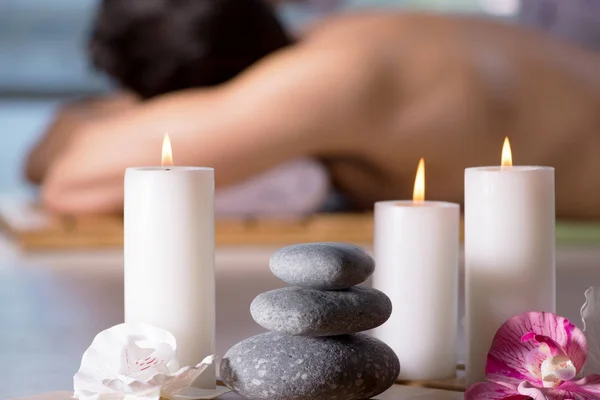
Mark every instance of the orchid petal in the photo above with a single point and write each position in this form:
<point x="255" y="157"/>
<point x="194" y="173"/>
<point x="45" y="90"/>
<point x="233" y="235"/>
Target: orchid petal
<point x="556" y="366"/>
<point x="492" y="391"/>
<point x="584" y="389"/>
<point x="534" y="360"/>
<point x="134" y="361"/>
<point x="551" y="347"/>
<point x="532" y="392"/>
<point x="184" y="378"/>
<point x="508" y="358"/>
<point x="590" y="314"/>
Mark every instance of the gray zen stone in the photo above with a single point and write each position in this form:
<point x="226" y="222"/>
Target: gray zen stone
<point x="283" y="367"/>
<point x="297" y="311"/>
<point x="322" y="266"/>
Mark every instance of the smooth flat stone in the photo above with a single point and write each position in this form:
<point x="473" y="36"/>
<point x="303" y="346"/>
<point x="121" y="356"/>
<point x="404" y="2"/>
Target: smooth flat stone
<point x="322" y="266"/>
<point x="283" y="367"/>
<point x="297" y="311"/>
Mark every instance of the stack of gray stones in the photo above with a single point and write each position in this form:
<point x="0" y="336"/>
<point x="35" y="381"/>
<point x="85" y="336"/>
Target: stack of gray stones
<point x="313" y="350"/>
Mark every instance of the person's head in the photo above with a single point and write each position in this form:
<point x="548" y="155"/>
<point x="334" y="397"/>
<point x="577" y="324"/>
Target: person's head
<point x="153" y="47"/>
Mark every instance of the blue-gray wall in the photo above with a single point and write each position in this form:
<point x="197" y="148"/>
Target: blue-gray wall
<point x="41" y="45"/>
<point x="42" y="41"/>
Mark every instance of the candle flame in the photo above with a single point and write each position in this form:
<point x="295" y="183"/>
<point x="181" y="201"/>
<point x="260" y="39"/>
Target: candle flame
<point x="167" y="153"/>
<point x="419" y="190"/>
<point x="506" y="154"/>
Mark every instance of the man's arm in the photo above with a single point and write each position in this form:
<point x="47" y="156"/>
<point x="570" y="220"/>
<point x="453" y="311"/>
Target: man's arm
<point x="68" y="121"/>
<point x="277" y="111"/>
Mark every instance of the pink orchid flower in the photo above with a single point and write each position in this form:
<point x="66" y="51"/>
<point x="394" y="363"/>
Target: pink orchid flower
<point x="536" y="355"/>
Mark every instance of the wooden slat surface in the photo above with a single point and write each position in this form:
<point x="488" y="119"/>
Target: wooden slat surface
<point x="34" y="229"/>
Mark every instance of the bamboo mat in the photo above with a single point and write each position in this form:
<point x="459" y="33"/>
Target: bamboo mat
<point x="32" y="229"/>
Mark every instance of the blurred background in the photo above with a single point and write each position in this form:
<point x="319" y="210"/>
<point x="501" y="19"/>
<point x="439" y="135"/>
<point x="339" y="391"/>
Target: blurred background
<point x="69" y="297"/>
<point x="43" y="60"/>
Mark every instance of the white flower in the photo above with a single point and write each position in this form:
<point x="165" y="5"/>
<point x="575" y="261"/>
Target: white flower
<point x="135" y="361"/>
<point x="590" y="313"/>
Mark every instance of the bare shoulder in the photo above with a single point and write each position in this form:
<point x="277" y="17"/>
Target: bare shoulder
<point x="382" y="28"/>
<point x="329" y="78"/>
<point x="368" y="24"/>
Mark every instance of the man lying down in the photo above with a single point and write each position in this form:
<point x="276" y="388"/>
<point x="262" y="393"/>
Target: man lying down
<point x="148" y="62"/>
<point x="348" y="109"/>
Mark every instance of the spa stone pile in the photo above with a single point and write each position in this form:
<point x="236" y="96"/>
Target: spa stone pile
<point x="314" y="350"/>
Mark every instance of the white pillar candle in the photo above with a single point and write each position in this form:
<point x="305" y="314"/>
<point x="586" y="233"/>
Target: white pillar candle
<point x="169" y="257"/>
<point x="509" y="251"/>
<point x="416" y="255"/>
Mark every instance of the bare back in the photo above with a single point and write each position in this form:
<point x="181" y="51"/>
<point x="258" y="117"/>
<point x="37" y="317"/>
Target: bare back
<point x="450" y="90"/>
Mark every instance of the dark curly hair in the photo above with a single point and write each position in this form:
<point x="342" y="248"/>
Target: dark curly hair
<point x="153" y="47"/>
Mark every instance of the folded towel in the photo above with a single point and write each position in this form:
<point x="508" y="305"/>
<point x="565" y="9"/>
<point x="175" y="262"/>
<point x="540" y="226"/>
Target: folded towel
<point x="293" y="189"/>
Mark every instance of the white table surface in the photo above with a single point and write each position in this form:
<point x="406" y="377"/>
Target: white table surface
<point x="396" y="392"/>
<point x="53" y="304"/>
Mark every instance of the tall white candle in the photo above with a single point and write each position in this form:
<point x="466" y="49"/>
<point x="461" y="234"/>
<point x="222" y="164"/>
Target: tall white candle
<point x="169" y="257"/>
<point x="416" y="255"/>
<point x="509" y="251"/>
